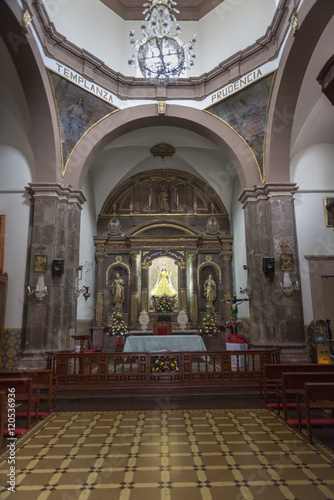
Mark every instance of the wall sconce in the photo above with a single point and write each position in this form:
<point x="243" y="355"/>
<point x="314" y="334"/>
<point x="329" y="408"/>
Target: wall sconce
<point x="247" y="288"/>
<point x="83" y="289"/>
<point x="40" y="290"/>
<point x="287" y="287"/>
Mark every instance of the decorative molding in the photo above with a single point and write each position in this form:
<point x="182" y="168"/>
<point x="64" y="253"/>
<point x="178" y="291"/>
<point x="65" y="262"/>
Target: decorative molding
<point x="58" y="47"/>
<point x="267" y="191"/>
<point x="162" y="150"/>
<point x="191" y="10"/>
<point x="56" y="190"/>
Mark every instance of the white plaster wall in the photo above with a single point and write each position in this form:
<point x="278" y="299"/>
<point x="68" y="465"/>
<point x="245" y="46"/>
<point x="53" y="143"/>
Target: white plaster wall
<point x="15" y="205"/>
<point x="17" y="169"/>
<point x="232" y="26"/>
<point x="239" y="259"/>
<point x="85" y="309"/>
<point x="312" y="170"/>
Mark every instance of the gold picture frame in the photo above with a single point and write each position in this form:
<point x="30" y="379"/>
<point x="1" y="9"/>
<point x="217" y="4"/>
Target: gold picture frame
<point x="2" y="240"/>
<point x="286" y="261"/>
<point x="40" y="263"/>
<point x="328" y="214"/>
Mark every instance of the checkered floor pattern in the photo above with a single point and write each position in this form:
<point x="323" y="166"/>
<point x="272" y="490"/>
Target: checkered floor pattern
<point x="168" y="455"/>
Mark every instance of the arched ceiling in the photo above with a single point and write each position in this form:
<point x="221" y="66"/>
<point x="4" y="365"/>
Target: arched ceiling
<point x="190" y="10"/>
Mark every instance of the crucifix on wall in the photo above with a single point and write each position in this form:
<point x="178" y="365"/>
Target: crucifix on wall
<point x="286" y="259"/>
<point x="41" y="261"/>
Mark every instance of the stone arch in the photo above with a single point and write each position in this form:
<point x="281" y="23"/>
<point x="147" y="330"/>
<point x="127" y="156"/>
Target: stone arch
<point x="313" y="17"/>
<point x="130" y="119"/>
<point x="29" y="65"/>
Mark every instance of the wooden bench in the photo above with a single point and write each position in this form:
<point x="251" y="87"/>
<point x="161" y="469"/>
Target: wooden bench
<point x="46" y="380"/>
<point x="25" y="390"/>
<point x="291" y="382"/>
<point x="317" y="396"/>
<point x="272" y="374"/>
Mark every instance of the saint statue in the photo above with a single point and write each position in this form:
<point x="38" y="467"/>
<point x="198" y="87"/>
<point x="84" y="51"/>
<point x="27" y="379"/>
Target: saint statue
<point x="210" y="293"/>
<point x="164" y="285"/>
<point x="163" y="200"/>
<point x="117" y="290"/>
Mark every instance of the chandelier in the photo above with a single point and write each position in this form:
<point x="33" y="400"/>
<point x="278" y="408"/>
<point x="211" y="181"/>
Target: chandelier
<point x="161" y="56"/>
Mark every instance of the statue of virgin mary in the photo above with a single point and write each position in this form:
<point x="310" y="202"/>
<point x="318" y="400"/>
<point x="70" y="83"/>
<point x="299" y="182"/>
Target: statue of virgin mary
<point x="164" y="284"/>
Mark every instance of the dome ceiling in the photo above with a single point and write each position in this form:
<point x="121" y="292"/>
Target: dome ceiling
<point x="190" y="10"/>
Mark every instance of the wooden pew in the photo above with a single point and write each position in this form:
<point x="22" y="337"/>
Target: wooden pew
<point x="25" y="390"/>
<point x="46" y="380"/>
<point x="272" y="373"/>
<point x="291" y="382"/>
<point x="317" y="396"/>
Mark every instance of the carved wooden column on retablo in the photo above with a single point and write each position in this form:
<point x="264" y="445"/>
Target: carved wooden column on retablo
<point x="98" y="328"/>
<point x="191" y="280"/>
<point x="144" y="286"/>
<point x="135" y="281"/>
<point x="183" y="286"/>
<point x="55" y="226"/>
<point x="275" y="319"/>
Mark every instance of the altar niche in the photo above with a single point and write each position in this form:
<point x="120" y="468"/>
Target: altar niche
<point x="163" y="279"/>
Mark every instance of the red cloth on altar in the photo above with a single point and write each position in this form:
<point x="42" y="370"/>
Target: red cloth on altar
<point x="236" y="338"/>
<point x="162" y="330"/>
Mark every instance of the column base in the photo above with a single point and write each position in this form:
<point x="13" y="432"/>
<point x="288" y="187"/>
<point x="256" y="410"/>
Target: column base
<point x="32" y="360"/>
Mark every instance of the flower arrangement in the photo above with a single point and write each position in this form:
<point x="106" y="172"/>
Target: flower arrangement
<point x="236" y="326"/>
<point x="118" y="326"/>
<point x="165" y="364"/>
<point x="164" y="304"/>
<point x="208" y="326"/>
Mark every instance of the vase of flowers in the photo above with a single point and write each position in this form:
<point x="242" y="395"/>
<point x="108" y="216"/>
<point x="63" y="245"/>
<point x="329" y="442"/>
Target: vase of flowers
<point x="208" y="326"/>
<point x="117" y="326"/>
<point x="165" y="364"/>
<point x="164" y="304"/>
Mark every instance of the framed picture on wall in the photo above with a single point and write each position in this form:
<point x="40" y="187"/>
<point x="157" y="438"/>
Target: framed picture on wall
<point x="2" y="240"/>
<point x="328" y="214"/>
<point x="40" y="263"/>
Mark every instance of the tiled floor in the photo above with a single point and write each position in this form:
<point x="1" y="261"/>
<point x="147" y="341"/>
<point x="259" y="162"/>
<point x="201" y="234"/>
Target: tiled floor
<point x="166" y="453"/>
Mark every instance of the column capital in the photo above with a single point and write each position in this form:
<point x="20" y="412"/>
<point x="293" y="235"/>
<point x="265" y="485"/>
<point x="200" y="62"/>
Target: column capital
<point x="192" y="255"/>
<point x="266" y="191"/>
<point x="101" y="257"/>
<point x="56" y="190"/>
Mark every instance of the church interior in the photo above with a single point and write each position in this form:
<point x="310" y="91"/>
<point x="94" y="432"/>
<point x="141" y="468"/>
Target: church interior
<point x="167" y="190"/>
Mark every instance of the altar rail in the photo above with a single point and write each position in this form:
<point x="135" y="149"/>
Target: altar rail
<point x="127" y="371"/>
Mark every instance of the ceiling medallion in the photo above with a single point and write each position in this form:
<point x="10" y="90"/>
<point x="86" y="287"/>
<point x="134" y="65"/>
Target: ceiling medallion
<point x="161" y="56"/>
<point x="162" y="150"/>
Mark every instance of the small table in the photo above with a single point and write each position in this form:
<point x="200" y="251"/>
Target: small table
<point x="162" y="343"/>
<point x="82" y="339"/>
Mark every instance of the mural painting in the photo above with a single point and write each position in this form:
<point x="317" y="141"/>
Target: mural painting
<point x="246" y="113"/>
<point x="78" y="111"/>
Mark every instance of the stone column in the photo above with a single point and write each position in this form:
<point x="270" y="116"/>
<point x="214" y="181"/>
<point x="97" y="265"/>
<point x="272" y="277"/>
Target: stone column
<point x="135" y="286"/>
<point x="192" y="290"/>
<point x="227" y="286"/>
<point x="276" y="319"/>
<point x="55" y="226"/>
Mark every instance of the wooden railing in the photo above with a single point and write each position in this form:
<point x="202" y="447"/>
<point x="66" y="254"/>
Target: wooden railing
<point x="115" y="371"/>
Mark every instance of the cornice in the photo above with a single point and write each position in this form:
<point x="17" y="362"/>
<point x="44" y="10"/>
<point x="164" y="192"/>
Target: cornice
<point x="55" y="190"/>
<point x="268" y="190"/>
<point x="190" y="10"/>
<point x="59" y="48"/>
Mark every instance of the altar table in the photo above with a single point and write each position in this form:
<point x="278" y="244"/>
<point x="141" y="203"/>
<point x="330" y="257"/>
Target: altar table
<point x="237" y="347"/>
<point x="163" y="343"/>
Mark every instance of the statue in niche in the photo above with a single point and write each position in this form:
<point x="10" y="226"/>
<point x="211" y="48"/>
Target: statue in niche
<point x="163" y="199"/>
<point x="210" y="292"/>
<point x="117" y="291"/>
<point x="164" y="284"/>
